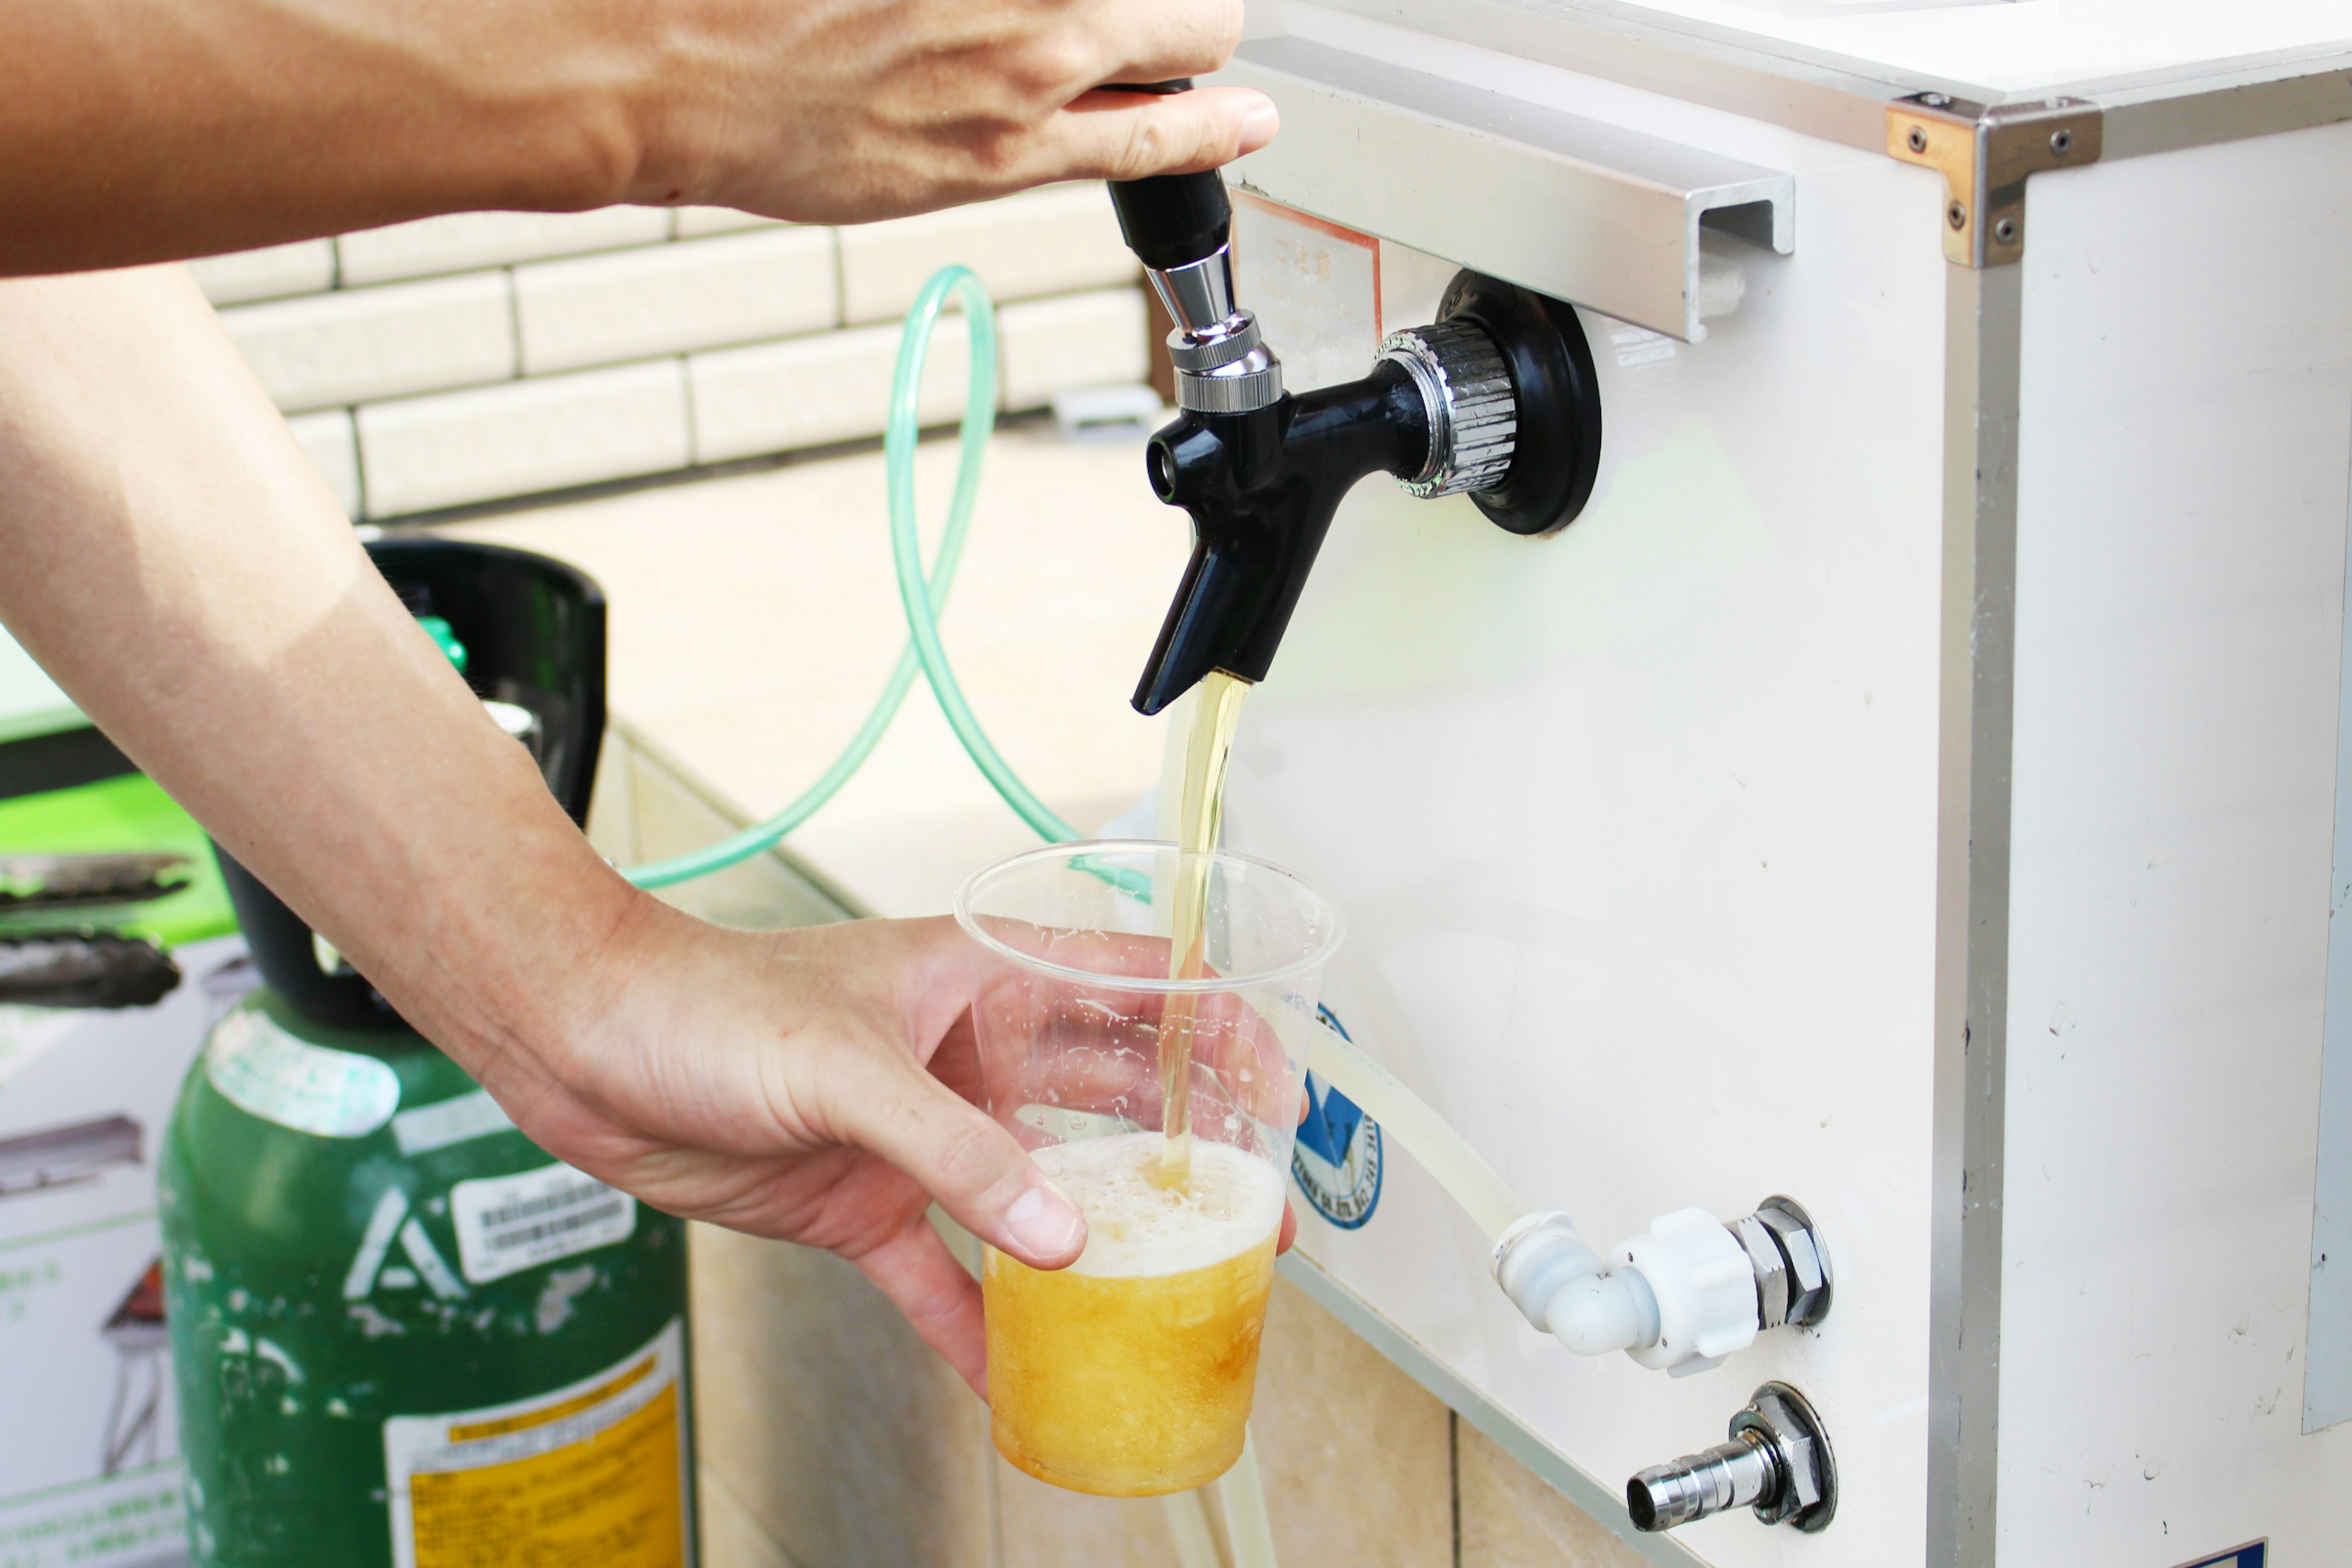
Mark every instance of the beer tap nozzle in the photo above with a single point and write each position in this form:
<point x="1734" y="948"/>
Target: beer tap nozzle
<point x="1497" y="399"/>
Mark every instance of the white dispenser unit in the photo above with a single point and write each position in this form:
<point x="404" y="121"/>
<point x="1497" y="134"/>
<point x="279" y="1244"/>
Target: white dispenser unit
<point x="1909" y="786"/>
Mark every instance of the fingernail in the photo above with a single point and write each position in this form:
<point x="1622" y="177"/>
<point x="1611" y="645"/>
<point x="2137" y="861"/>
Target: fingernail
<point x="1045" y="1222"/>
<point x="1259" y="125"/>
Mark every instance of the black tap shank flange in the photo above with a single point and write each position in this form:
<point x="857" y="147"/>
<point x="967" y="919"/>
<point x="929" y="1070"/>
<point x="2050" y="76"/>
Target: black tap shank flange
<point x="1559" y="452"/>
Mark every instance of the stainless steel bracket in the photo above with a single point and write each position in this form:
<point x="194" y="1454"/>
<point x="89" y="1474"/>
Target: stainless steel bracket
<point x="1571" y="207"/>
<point x="1985" y="154"/>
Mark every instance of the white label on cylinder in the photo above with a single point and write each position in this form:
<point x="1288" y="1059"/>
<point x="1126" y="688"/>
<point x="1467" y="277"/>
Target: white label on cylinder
<point x="459" y="1120"/>
<point x="506" y="1223"/>
<point x="263" y="1070"/>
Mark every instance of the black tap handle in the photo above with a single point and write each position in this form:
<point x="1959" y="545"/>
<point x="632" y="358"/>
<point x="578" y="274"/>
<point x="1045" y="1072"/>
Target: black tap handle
<point x="1171" y="220"/>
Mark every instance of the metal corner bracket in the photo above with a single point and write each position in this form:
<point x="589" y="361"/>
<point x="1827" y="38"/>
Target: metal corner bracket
<point x="1985" y="152"/>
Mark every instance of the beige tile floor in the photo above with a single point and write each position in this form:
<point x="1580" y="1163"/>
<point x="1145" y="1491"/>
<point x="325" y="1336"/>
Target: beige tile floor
<point x="755" y="618"/>
<point x="1511" y="1520"/>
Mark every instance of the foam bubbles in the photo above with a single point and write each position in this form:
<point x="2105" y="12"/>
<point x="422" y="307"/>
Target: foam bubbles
<point x="1135" y="1227"/>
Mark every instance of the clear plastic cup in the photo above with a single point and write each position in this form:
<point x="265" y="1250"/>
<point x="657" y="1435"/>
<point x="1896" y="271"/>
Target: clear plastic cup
<point x="1131" y="1373"/>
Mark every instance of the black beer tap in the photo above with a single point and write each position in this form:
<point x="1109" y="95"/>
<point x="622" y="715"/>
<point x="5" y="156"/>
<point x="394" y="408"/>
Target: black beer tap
<point x="1497" y="398"/>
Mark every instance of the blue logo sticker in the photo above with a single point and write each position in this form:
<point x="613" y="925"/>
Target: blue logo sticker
<point x="2253" y="1554"/>
<point x="1337" y="1161"/>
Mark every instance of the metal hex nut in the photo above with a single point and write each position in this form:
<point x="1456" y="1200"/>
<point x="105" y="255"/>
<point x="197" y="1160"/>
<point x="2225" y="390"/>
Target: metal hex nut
<point x="1774" y="1425"/>
<point x="1782" y="1422"/>
<point x="1771" y="1265"/>
<point x="1809" y="1283"/>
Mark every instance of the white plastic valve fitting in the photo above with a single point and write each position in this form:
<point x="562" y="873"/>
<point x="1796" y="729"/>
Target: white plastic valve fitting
<point x="1680" y="1297"/>
<point x="1565" y="1290"/>
<point x="1705" y="1288"/>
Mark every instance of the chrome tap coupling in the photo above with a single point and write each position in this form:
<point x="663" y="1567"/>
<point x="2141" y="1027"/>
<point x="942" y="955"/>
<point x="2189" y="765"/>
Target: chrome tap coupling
<point x="1226" y="369"/>
<point x="1473" y="414"/>
<point x="1200" y="294"/>
<point x="1223" y="366"/>
<point x="1238" y="387"/>
<point x="1234" y="337"/>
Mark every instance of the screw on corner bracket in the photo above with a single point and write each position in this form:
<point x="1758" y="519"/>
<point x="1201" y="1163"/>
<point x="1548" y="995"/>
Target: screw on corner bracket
<point x="1778" y="1462"/>
<point x="1986" y="153"/>
<point x="2005" y="231"/>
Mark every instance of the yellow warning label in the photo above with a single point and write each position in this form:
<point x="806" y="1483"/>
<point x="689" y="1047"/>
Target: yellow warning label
<point x="556" y="1412"/>
<point x="610" y="1503"/>
<point x="588" y="1476"/>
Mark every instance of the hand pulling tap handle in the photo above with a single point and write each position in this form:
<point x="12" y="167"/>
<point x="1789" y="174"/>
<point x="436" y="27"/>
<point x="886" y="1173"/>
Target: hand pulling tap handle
<point x="1171" y="220"/>
<point x="1247" y="564"/>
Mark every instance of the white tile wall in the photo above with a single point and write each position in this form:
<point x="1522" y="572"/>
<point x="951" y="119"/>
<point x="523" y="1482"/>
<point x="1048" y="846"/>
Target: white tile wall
<point x="356" y="345"/>
<point x="303" y="267"/>
<point x="664" y="298"/>
<point x="693" y="223"/>
<point x="1040" y="242"/>
<point x="543" y="434"/>
<point x="1094" y="339"/>
<point x="464" y="240"/>
<point x="330" y="442"/>
<point x="450" y="361"/>
<point x="834" y="386"/>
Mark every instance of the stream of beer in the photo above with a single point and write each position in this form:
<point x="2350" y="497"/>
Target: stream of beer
<point x="1200" y="825"/>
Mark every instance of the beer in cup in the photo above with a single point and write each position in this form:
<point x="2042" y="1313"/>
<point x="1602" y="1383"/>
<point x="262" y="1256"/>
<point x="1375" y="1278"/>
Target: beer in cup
<point x="1131" y="1373"/>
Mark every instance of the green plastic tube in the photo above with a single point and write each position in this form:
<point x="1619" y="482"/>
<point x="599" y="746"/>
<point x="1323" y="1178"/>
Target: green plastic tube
<point x="921" y="597"/>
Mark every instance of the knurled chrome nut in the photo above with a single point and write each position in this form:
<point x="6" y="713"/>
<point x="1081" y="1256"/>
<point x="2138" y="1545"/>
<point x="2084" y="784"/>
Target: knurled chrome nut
<point x="1240" y="387"/>
<point x="1232" y="339"/>
<point x="1809" y="1280"/>
<point x="1473" y="408"/>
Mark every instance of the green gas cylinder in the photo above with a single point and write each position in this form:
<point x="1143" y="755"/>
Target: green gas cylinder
<point x="403" y="1335"/>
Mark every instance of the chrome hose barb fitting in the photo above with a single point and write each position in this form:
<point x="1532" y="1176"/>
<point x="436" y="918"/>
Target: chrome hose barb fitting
<point x="1777" y="1462"/>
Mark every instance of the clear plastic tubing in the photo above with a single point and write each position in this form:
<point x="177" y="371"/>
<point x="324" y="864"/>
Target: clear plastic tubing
<point x="1405" y="1116"/>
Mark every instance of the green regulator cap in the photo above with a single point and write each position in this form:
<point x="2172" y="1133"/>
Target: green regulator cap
<point x="445" y="639"/>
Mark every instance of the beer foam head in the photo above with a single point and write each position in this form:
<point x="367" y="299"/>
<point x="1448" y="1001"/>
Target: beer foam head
<point x="1135" y="1227"/>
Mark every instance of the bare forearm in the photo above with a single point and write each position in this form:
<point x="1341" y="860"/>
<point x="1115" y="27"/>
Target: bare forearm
<point x="171" y="560"/>
<point x="144" y="130"/>
<point x="135" y="130"/>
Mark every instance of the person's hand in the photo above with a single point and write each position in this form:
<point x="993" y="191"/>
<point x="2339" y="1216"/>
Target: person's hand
<point x="844" y="114"/>
<point x="812" y="1085"/>
<point x="250" y="123"/>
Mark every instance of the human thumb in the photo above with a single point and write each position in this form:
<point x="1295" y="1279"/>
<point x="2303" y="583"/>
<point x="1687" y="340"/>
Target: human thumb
<point x="973" y="1168"/>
